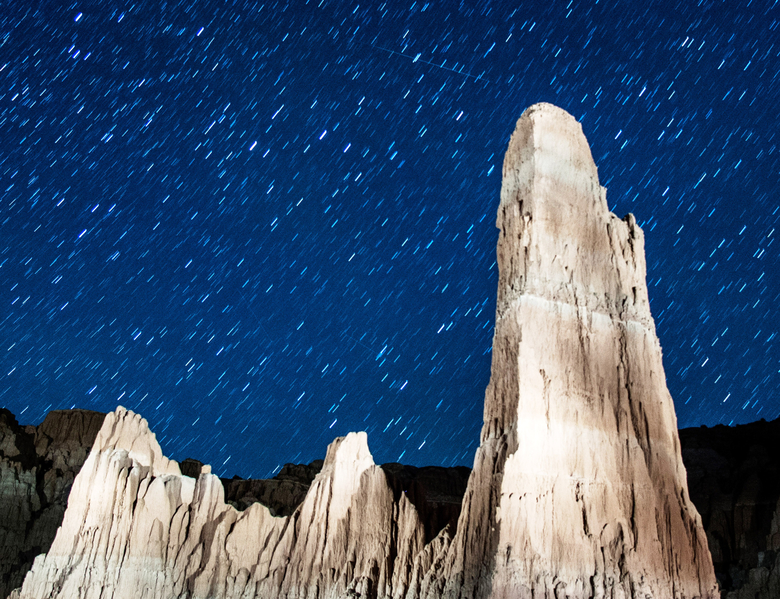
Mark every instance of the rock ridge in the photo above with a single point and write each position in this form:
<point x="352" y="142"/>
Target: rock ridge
<point x="151" y="532"/>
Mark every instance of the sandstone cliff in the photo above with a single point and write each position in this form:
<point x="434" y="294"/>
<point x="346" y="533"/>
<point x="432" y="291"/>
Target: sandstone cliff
<point x="37" y="468"/>
<point x="578" y="487"/>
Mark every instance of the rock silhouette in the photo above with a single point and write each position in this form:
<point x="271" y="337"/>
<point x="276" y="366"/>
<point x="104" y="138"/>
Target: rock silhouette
<point x="734" y="480"/>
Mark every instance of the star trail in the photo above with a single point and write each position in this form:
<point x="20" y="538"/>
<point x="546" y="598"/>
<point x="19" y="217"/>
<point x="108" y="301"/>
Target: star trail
<point x="263" y="225"/>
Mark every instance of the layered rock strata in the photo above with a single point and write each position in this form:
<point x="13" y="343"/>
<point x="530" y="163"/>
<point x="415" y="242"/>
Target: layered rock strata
<point x="37" y="469"/>
<point x="578" y="488"/>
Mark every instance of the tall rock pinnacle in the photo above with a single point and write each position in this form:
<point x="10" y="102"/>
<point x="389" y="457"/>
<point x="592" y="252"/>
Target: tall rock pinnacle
<point x="578" y="488"/>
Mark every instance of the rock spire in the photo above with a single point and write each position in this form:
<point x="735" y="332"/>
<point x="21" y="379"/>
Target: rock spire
<point x="578" y="488"/>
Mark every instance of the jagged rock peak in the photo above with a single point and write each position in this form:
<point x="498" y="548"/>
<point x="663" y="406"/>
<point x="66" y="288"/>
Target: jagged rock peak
<point x="129" y="431"/>
<point x="136" y="527"/>
<point x="558" y="240"/>
<point x="347" y="459"/>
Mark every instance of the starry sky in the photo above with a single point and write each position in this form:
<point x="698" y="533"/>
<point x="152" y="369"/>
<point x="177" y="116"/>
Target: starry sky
<point x="265" y="224"/>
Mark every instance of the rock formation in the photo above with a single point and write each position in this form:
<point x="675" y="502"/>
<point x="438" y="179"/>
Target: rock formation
<point x="436" y="492"/>
<point x="37" y="468"/>
<point x="733" y="477"/>
<point x="282" y="494"/>
<point x="578" y="488"/>
<point x="34" y="486"/>
<point x="135" y="527"/>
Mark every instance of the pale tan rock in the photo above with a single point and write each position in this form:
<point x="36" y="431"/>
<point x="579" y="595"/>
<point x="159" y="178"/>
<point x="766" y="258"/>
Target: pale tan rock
<point x="578" y="488"/>
<point x="136" y="527"/>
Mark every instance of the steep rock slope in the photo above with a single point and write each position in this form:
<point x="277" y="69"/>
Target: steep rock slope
<point x="578" y="487"/>
<point x="37" y="468"/>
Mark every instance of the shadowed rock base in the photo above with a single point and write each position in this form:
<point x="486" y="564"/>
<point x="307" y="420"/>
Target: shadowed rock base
<point x="578" y="488"/>
<point x="734" y="480"/>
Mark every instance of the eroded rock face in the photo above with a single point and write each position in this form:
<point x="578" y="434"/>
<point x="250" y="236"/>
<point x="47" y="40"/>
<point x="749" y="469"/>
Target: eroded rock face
<point x="436" y="493"/>
<point x="65" y="438"/>
<point x="136" y="527"/>
<point x="578" y="487"/>
<point x="37" y="469"/>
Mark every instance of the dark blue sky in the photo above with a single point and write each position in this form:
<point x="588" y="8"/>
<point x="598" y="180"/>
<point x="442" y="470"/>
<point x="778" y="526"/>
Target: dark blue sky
<point x="263" y="225"/>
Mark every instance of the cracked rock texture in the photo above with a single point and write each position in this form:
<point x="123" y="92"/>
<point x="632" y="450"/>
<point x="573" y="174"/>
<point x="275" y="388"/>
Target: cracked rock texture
<point x="37" y="468"/>
<point x="578" y="488"/>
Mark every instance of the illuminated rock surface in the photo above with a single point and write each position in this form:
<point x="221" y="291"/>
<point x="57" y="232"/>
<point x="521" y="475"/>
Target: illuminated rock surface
<point x="578" y="488"/>
<point x="135" y="527"/>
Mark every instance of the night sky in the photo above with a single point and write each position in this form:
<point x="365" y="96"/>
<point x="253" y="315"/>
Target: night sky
<point x="262" y="226"/>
